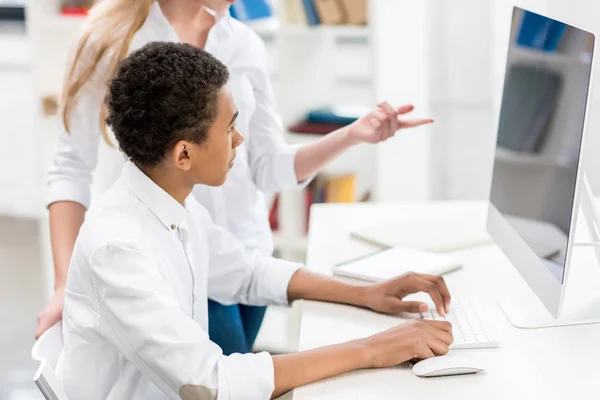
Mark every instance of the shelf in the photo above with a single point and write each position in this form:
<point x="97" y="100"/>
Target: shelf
<point x="354" y="31"/>
<point x="270" y="27"/>
<point x="301" y="138"/>
<point x="264" y="27"/>
<point x="67" y="24"/>
<point x="527" y="55"/>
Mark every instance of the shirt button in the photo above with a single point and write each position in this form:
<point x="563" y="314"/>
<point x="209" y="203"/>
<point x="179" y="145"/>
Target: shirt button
<point x="173" y="226"/>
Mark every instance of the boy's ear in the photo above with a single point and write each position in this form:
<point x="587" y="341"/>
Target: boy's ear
<point x="180" y="155"/>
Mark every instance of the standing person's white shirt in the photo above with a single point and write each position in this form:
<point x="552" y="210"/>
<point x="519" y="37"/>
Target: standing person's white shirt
<point x="265" y="163"/>
<point x="135" y="313"/>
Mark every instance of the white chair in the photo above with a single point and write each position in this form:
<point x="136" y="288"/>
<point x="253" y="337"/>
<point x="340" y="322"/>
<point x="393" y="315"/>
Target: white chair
<point x="46" y="350"/>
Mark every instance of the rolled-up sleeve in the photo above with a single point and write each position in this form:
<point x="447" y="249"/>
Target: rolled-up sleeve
<point x="271" y="158"/>
<point x="146" y="324"/>
<point x="76" y="156"/>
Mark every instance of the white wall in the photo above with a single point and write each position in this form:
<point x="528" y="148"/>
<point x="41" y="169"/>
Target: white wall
<point x="461" y="98"/>
<point x="435" y="54"/>
<point x="19" y="182"/>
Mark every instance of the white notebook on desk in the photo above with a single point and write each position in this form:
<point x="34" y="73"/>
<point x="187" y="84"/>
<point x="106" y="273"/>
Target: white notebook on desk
<point x="431" y="233"/>
<point x="389" y="263"/>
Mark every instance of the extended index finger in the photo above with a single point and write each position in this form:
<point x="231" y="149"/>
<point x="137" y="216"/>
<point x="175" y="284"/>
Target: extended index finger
<point x="413" y="123"/>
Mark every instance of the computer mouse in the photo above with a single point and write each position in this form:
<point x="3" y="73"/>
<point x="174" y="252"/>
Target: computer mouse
<point x="445" y="365"/>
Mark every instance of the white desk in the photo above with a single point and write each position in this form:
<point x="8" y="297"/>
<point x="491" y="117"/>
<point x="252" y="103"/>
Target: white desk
<point x="555" y="363"/>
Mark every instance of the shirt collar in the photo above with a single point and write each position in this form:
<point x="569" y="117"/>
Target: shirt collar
<point x="160" y="203"/>
<point x="159" y="24"/>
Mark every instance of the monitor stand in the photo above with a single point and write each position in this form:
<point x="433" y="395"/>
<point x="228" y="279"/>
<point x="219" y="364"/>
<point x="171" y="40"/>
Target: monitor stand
<point x="581" y="305"/>
<point x="528" y="312"/>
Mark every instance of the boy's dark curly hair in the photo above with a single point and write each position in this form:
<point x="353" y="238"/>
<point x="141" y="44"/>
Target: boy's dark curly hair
<point x="162" y="93"/>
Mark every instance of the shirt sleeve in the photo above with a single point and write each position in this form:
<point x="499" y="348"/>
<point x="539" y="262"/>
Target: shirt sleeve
<point x="239" y="275"/>
<point x="140" y="316"/>
<point x="271" y="158"/>
<point x="76" y="156"/>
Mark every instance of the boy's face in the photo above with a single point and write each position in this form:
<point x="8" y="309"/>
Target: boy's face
<point x="209" y="162"/>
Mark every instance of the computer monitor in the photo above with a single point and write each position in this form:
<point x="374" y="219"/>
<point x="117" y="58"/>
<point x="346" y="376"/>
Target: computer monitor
<point x="538" y="178"/>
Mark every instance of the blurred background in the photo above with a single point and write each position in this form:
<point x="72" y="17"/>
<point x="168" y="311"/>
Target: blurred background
<point x="329" y="63"/>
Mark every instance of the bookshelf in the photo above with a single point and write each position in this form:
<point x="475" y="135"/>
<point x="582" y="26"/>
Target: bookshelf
<point x="401" y="168"/>
<point x="317" y="66"/>
<point x="270" y="27"/>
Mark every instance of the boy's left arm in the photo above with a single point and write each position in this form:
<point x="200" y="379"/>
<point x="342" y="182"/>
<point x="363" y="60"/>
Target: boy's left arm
<point x="238" y="275"/>
<point x="386" y="297"/>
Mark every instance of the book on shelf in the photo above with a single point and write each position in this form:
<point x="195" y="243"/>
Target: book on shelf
<point x="250" y="10"/>
<point x="340" y="189"/>
<point x="324" y="120"/>
<point x="324" y="188"/>
<point x="330" y="12"/>
<point x="324" y="12"/>
<point x="293" y="12"/>
<point x="328" y="188"/>
<point x="342" y="115"/>
<point x="76" y="8"/>
<point x="312" y="18"/>
<point x="356" y="11"/>
<point x="314" y="128"/>
<point x="274" y="214"/>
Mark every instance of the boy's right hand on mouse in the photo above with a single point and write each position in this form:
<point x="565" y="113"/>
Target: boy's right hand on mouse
<point x="417" y="339"/>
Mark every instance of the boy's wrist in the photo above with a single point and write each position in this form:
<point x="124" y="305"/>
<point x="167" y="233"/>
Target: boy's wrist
<point x="359" y="295"/>
<point x="364" y="353"/>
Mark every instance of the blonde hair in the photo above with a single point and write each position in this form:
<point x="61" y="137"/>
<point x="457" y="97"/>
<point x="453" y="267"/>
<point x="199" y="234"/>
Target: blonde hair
<point x="110" y="28"/>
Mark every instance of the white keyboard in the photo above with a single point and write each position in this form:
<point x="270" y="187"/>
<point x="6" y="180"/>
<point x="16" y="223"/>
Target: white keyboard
<point x="471" y="326"/>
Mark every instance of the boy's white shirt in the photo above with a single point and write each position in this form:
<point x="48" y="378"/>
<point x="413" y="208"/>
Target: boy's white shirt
<point x="264" y="163"/>
<point x="135" y="318"/>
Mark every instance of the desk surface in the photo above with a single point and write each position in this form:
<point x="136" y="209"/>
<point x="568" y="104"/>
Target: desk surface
<point x="553" y="363"/>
